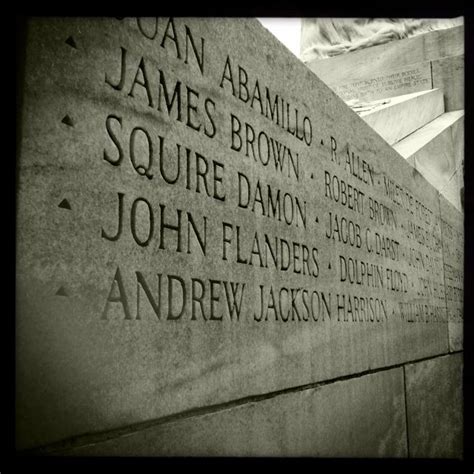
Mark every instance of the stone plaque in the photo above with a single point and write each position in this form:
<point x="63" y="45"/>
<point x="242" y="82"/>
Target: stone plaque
<point x="392" y="83"/>
<point x="402" y="53"/>
<point x="452" y="231"/>
<point x="199" y="221"/>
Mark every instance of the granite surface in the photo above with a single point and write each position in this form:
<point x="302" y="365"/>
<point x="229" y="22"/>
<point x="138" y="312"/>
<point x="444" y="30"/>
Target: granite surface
<point x="194" y="228"/>
<point x="360" y="417"/>
<point x="448" y="75"/>
<point x="434" y="390"/>
<point x="437" y="152"/>
<point x="452" y="228"/>
<point x="400" y="116"/>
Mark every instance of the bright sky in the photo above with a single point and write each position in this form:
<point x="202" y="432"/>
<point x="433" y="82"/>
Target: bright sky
<point x="287" y="30"/>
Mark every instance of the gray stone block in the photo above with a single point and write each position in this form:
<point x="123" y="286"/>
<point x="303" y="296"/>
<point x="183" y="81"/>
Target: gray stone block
<point x="403" y="115"/>
<point x="360" y="417"/>
<point x="437" y="152"/>
<point x="434" y="407"/>
<point x="448" y="75"/>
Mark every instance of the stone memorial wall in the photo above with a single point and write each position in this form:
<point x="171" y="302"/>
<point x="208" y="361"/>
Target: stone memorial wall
<point x="201" y="221"/>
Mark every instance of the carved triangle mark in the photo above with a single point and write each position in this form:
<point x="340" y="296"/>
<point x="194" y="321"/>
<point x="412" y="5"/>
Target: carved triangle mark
<point x="70" y="41"/>
<point x="329" y="266"/>
<point x="67" y="121"/>
<point x="61" y="292"/>
<point x="317" y="220"/>
<point x="64" y="204"/>
<point x="322" y="143"/>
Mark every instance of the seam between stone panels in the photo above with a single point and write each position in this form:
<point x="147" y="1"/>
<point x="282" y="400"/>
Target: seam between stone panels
<point x="407" y="431"/>
<point x="444" y="271"/>
<point x="431" y="73"/>
<point x="89" y="439"/>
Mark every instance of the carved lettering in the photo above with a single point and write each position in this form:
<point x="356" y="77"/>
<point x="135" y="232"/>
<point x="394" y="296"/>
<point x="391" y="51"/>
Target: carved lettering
<point x="277" y="110"/>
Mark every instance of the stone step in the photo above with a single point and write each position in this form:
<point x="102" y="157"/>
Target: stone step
<point x="397" y="117"/>
<point x="437" y="152"/>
